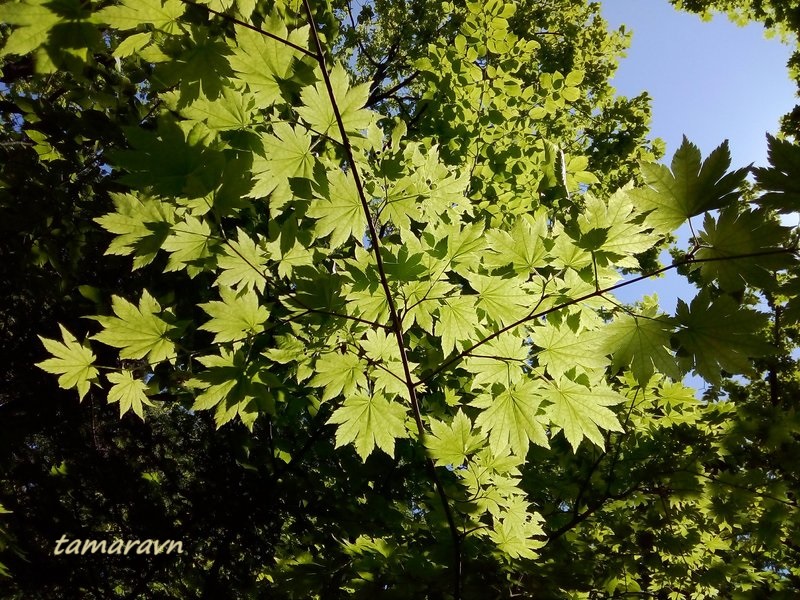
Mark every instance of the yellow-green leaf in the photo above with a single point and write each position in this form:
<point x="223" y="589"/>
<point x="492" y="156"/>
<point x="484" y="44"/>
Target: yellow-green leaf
<point x="72" y="361"/>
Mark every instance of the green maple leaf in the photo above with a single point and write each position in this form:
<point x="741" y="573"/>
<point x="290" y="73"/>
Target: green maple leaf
<point x="379" y="346"/>
<point x="295" y="255"/>
<point x="736" y="233"/>
<point x="285" y="154"/>
<point x="563" y="350"/>
<point x="423" y="299"/>
<point x="514" y="536"/>
<point x="140" y="226"/>
<point x="243" y="264"/>
<point x="522" y="247"/>
<point x="452" y="444"/>
<point x="34" y="21"/>
<point x="504" y="300"/>
<point x="779" y="181"/>
<point x="339" y="212"/>
<point x="188" y="242"/>
<point x="389" y="377"/>
<point x="719" y="335"/>
<point x="72" y="361"/>
<point x="223" y="376"/>
<point x="465" y="246"/>
<point x="138" y="332"/>
<point x="263" y="63"/>
<point x="498" y="361"/>
<point x="612" y="223"/>
<point x="129" y="392"/>
<point x="339" y="374"/>
<point x="132" y="14"/>
<point x="690" y="188"/>
<point x="401" y="203"/>
<point x="237" y="316"/>
<point x="244" y="7"/>
<point x="317" y="109"/>
<point x="171" y="160"/>
<point x="232" y="384"/>
<point x="369" y="421"/>
<point x="580" y="410"/>
<point x="510" y="417"/>
<point x="457" y="321"/>
<point x="231" y="111"/>
<point x="641" y="342"/>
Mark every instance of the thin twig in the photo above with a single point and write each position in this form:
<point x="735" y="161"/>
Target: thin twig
<point x="251" y="27"/>
<point x="396" y="322"/>
<point x="690" y="259"/>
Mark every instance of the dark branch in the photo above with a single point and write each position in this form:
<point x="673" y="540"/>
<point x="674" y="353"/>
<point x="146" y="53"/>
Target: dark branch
<point x="250" y="26"/>
<point x="396" y="322"/>
<point x="536" y="315"/>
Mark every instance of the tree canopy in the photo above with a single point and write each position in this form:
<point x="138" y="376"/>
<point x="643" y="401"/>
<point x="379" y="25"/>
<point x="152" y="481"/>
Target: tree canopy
<point x="334" y="286"/>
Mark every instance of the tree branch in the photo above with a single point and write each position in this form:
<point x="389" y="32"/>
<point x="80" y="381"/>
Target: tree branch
<point x="396" y="322"/>
<point x="250" y="26"/>
<point x="534" y="315"/>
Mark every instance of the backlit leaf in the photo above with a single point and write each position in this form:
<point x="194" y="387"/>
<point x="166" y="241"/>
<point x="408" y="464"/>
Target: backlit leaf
<point x="581" y="410"/>
<point x="137" y="332"/>
<point x="129" y="392"/>
<point x="451" y="444"/>
<point x="510" y="417"/>
<point x="369" y="421"/>
<point x="72" y="361"/>
<point x="236" y="316"/>
<point x="690" y="188"/>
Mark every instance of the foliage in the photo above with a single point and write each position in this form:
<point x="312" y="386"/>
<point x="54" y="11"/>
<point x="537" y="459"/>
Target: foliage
<point x="390" y="283"/>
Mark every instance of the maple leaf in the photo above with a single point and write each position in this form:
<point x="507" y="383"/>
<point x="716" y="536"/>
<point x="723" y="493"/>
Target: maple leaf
<point x="563" y="350"/>
<point x="141" y="226"/>
<point x="779" y="180"/>
<point x="500" y="360"/>
<point x="285" y="154"/>
<point x="522" y="247"/>
<point x="339" y="374"/>
<point x="237" y="316"/>
<point x="129" y="392"/>
<point x="132" y="14"/>
<point x="641" y="342"/>
<point x="231" y="111"/>
<point x="34" y="20"/>
<point x="188" y="242"/>
<point x="736" y="233"/>
<point x="464" y="245"/>
<point x="690" y="188"/>
<point x="451" y="444"/>
<point x="718" y="334"/>
<point x="243" y="264"/>
<point x="262" y="62"/>
<point x="72" y="361"/>
<point x="580" y="409"/>
<point x="138" y="332"/>
<point x="613" y="223"/>
<point x="514" y="536"/>
<point x="369" y="421"/>
<point x="503" y="300"/>
<point x="317" y="109"/>
<point x="511" y="418"/>
<point x="338" y="211"/>
<point x="457" y="321"/>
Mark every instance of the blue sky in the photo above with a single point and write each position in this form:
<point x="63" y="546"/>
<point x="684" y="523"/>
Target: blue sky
<point x="709" y="80"/>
